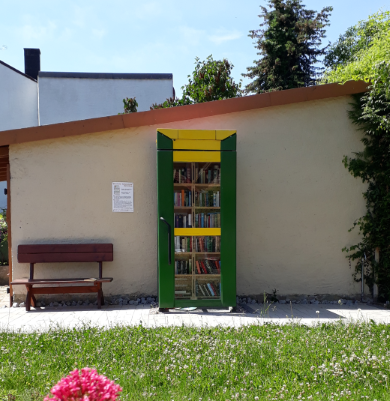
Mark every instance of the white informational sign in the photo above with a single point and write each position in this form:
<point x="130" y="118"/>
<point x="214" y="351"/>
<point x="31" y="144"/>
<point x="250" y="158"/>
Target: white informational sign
<point x="122" y="197"/>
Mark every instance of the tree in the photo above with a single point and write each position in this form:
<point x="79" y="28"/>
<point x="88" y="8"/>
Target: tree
<point x="129" y="105"/>
<point x="211" y="80"/>
<point x="356" y="39"/>
<point x="363" y="53"/>
<point x="289" y="46"/>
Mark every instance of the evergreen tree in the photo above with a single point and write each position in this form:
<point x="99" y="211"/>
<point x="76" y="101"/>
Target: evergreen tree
<point x="289" y="46"/>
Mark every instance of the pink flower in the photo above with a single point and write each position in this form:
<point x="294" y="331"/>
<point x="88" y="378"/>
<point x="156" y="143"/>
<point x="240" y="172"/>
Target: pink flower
<point x="85" y="385"/>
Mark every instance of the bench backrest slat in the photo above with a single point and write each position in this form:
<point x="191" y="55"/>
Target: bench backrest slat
<point x="53" y="253"/>
<point x="64" y="257"/>
<point x="63" y="248"/>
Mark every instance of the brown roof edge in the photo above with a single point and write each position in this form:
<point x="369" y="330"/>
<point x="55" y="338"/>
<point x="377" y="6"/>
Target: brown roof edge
<point x="163" y="116"/>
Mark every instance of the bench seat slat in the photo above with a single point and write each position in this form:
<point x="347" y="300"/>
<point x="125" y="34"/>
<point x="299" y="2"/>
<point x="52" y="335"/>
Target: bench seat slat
<point x="65" y="248"/>
<point x="66" y="290"/>
<point x="23" y="281"/>
<point x="64" y="257"/>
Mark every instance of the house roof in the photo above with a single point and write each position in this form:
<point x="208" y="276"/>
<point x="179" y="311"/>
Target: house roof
<point x="98" y="75"/>
<point x="19" y="72"/>
<point x="164" y="116"/>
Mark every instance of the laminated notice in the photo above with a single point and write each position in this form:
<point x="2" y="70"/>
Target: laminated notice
<point x="122" y="197"/>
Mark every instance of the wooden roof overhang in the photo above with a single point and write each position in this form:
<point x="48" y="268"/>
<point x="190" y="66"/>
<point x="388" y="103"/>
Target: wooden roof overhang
<point x="182" y="113"/>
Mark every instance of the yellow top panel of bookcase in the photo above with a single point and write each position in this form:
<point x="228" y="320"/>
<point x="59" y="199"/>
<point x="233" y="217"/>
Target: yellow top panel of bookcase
<point x="198" y="232"/>
<point x="193" y="144"/>
<point x="196" y="134"/>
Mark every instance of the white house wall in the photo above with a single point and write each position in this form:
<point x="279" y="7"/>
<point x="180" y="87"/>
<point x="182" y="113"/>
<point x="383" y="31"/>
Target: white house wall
<point x="68" y="99"/>
<point x="18" y="100"/>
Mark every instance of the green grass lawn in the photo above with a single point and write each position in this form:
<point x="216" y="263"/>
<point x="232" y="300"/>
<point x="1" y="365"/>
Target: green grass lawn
<point x="332" y="361"/>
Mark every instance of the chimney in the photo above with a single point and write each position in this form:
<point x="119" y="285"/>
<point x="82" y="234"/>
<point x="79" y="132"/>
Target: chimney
<point x="32" y="62"/>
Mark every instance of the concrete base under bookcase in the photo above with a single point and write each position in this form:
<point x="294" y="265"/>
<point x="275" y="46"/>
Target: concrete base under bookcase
<point x="212" y="303"/>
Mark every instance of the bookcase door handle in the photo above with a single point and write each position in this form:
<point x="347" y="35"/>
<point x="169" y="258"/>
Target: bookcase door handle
<point x="169" y="240"/>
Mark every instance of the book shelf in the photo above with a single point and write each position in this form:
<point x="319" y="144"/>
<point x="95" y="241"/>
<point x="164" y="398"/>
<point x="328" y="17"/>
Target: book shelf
<point x="197" y="258"/>
<point x="196" y="185"/>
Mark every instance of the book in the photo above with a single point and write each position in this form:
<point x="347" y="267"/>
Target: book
<point x="202" y="265"/>
<point x="197" y="267"/>
<point x="215" y="178"/>
<point x="214" y="288"/>
<point x="210" y="289"/>
<point x="202" y="290"/>
<point x="197" y="289"/>
<point x="207" y="266"/>
<point x="206" y="290"/>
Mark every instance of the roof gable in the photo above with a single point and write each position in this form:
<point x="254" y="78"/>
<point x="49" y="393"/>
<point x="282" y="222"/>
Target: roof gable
<point x="17" y="71"/>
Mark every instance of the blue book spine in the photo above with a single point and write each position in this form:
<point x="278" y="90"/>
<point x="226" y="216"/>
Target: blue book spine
<point x="211" y="289"/>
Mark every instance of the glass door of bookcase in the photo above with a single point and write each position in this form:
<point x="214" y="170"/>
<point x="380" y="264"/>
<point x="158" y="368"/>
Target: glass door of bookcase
<point x="197" y="204"/>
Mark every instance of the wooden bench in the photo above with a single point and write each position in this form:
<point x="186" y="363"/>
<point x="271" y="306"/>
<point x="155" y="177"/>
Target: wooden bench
<point x="64" y="253"/>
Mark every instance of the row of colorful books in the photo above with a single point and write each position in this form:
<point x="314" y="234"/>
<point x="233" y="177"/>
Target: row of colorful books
<point x="208" y="266"/>
<point x="206" y="244"/>
<point x="208" y="175"/>
<point x="183" y="266"/>
<point x="183" y="244"/>
<point x="210" y="289"/>
<point x="182" y="198"/>
<point x="208" y="220"/>
<point x="182" y="175"/>
<point x="207" y="198"/>
<point x="203" y="175"/>
<point x="202" y="198"/>
<point x="203" y="266"/>
<point x="183" y="220"/>
<point x="183" y="288"/>
<point x="197" y="244"/>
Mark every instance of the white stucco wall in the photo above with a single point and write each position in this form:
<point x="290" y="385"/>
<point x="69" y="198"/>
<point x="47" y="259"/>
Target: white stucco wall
<point x="68" y="99"/>
<point x="295" y="199"/>
<point x="18" y="100"/>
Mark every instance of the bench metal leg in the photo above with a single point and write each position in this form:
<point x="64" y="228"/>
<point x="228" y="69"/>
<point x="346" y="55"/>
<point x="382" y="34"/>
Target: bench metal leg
<point x="100" y="295"/>
<point x="28" y="298"/>
<point x="33" y="300"/>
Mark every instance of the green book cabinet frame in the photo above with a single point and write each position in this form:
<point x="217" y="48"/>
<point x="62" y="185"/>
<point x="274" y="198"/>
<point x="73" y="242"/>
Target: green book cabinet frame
<point x="196" y="190"/>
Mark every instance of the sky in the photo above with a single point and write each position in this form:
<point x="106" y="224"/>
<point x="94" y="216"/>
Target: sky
<point x="145" y="36"/>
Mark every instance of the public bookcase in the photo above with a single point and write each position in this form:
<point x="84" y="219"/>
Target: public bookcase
<point x="196" y="189"/>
